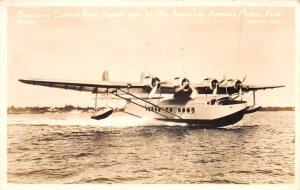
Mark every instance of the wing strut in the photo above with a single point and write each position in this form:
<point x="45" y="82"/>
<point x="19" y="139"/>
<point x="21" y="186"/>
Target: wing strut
<point x="253" y="108"/>
<point x="116" y="94"/>
<point x="253" y="98"/>
<point x="157" y="100"/>
<point x="127" y="99"/>
<point x="96" y="98"/>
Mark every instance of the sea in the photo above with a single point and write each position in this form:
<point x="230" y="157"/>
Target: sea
<point x="71" y="148"/>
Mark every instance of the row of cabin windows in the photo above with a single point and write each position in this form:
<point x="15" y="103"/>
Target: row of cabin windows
<point x="171" y="109"/>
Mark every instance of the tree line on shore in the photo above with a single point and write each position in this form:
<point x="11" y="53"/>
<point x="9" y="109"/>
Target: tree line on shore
<point x="37" y="109"/>
<point x="277" y="109"/>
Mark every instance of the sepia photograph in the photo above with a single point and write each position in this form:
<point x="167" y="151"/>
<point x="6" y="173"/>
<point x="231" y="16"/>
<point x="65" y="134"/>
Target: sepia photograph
<point x="151" y="94"/>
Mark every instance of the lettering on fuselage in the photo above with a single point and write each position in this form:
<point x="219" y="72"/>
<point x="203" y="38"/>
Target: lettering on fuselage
<point x="190" y="110"/>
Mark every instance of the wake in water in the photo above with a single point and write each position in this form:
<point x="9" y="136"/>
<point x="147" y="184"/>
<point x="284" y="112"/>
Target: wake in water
<point x="117" y="121"/>
<point x="84" y="120"/>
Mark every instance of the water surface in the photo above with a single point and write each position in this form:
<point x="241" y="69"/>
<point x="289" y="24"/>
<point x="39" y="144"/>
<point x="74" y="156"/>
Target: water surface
<point x="71" y="148"/>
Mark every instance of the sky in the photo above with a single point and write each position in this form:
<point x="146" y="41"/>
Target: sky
<point x="79" y="43"/>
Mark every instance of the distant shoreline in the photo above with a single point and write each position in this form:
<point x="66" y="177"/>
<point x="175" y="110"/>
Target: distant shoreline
<point x="277" y="109"/>
<point x="70" y="108"/>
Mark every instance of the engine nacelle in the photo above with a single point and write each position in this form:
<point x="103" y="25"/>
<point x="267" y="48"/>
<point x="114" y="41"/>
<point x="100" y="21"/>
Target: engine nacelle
<point x="211" y="83"/>
<point x="151" y="82"/>
<point x="182" y="83"/>
<point x="234" y="83"/>
<point x="183" y="89"/>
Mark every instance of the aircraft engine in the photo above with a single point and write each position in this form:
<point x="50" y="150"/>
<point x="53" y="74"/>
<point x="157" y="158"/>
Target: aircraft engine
<point x="182" y="84"/>
<point x="183" y="88"/>
<point x="152" y="82"/>
<point x="236" y="84"/>
<point x="211" y="83"/>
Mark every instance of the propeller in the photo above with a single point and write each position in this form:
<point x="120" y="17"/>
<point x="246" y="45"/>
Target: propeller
<point x="244" y="78"/>
<point x="154" y="89"/>
<point x="183" y="88"/>
<point x="236" y="84"/>
<point x="215" y="85"/>
<point x="185" y="84"/>
<point x="156" y="84"/>
<point x="241" y="86"/>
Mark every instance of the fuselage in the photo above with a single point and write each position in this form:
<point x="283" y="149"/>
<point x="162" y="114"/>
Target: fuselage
<point x="209" y="111"/>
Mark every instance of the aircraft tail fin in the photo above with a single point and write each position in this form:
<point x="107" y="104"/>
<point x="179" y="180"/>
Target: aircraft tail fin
<point x="105" y="76"/>
<point x="143" y="75"/>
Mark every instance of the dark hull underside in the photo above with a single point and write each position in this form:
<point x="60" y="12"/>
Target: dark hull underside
<point x="220" y="122"/>
<point x="103" y="115"/>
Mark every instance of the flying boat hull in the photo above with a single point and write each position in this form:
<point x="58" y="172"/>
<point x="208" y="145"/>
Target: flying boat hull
<point x="204" y="112"/>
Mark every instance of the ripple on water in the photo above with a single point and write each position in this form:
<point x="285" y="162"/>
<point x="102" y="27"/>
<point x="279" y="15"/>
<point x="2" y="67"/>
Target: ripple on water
<point x="58" y="150"/>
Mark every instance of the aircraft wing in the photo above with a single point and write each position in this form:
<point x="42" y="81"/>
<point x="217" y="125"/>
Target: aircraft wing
<point x="166" y="88"/>
<point x="201" y="89"/>
<point x="101" y="86"/>
<point x="247" y="88"/>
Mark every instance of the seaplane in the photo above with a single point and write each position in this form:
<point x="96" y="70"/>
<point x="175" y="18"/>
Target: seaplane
<point x="211" y="103"/>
